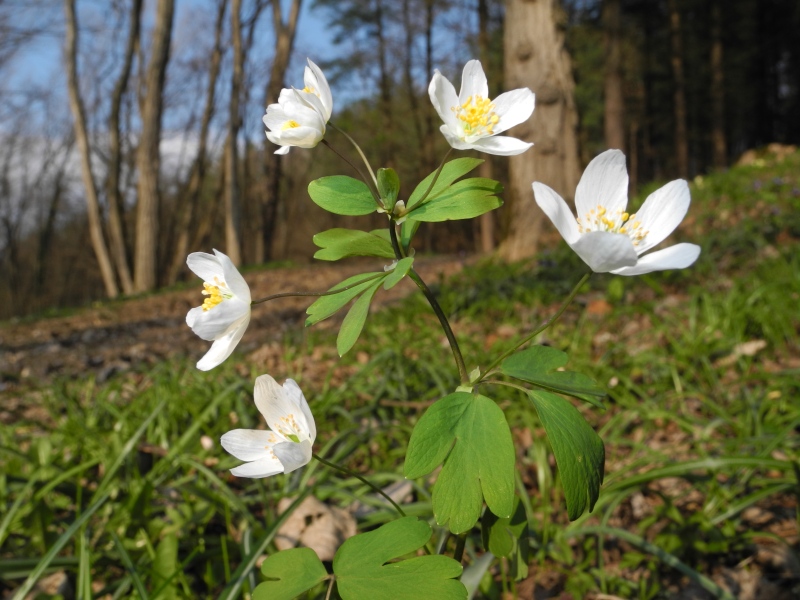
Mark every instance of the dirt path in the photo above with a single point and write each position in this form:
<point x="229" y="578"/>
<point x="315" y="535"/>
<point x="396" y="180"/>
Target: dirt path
<point x="115" y="336"/>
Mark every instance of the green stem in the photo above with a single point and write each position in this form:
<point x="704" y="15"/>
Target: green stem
<point x="448" y="331"/>
<point x="360" y="152"/>
<point x="362" y="480"/>
<point x="435" y="177"/>
<point x="328" y="293"/>
<point x="375" y="194"/>
<point x="458" y="554"/>
<point x="330" y="588"/>
<point x="539" y="329"/>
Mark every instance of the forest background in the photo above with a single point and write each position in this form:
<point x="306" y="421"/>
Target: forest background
<point x="135" y="126"/>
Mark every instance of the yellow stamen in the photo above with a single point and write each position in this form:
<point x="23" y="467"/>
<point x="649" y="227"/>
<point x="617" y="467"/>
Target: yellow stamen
<point x="478" y="116"/>
<point x="214" y="296"/>
<point x="598" y="219"/>
<point x="290" y="124"/>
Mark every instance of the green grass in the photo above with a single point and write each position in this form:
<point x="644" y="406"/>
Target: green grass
<point x="112" y="484"/>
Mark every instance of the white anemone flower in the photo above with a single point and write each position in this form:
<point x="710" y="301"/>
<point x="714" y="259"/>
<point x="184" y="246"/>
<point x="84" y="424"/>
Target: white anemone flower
<point x="472" y="121"/>
<point x="225" y="313"/>
<point x="287" y="446"/>
<point x="299" y="117"/>
<point x="604" y="235"/>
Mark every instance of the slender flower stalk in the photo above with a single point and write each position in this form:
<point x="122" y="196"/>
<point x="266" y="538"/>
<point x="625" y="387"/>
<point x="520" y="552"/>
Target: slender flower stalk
<point x="315" y="294"/>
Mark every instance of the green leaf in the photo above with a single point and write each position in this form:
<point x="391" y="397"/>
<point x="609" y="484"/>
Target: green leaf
<point x="463" y="200"/>
<point x="388" y="186"/>
<point x="539" y="365"/>
<point x="342" y="195"/>
<point x="325" y="306"/>
<point x="354" y="321"/>
<point x="579" y="451"/>
<point x="340" y="243"/>
<point x="400" y="270"/>
<point x="470" y="435"/>
<point x="165" y="567"/>
<point x="450" y="172"/>
<point x="508" y="537"/>
<point x="289" y="574"/>
<point x="362" y="573"/>
<point x="407" y="231"/>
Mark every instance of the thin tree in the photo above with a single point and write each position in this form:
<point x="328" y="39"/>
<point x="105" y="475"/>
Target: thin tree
<point x="147" y="157"/>
<point x="614" y="104"/>
<point x="535" y="57"/>
<point x="679" y="94"/>
<point x="82" y="138"/>
<point x="718" y="141"/>
<point x="233" y="209"/>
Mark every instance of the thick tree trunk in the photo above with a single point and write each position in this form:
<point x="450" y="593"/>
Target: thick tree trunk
<point x="116" y="230"/>
<point x="233" y="209"/>
<point x="284" y="41"/>
<point x="679" y="95"/>
<point x="535" y="57"/>
<point x="189" y="200"/>
<point x="82" y="138"/>
<point x="147" y="157"/>
<point x="614" y="106"/>
<point x="718" y="141"/>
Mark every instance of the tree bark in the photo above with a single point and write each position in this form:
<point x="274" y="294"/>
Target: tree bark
<point x="679" y="95"/>
<point x="116" y="230"/>
<point x="147" y="156"/>
<point x="486" y="239"/>
<point x="82" y="139"/>
<point x="233" y="209"/>
<point x="718" y="141"/>
<point x="535" y="57"/>
<point x="614" y="106"/>
<point x="191" y="197"/>
<point x="284" y="41"/>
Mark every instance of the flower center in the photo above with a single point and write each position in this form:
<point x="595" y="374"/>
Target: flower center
<point x="477" y="115"/>
<point x="290" y="124"/>
<point x="216" y="292"/>
<point x="599" y="219"/>
<point x="289" y="428"/>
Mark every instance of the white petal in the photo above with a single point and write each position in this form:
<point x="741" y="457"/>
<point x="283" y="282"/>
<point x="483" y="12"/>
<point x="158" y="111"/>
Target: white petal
<point x="604" y="183"/>
<point x="233" y="278"/>
<point x="662" y="212"/>
<point x="557" y="210"/>
<point x="283" y="150"/>
<point x="193" y="315"/>
<point x="249" y="444"/>
<point x="322" y="88"/>
<point x="444" y="99"/>
<point x="275" y="118"/>
<point x="604" y="251"/>
<point x="205" y="266"/>
<point x="501" y="145"/>
<point x="293" y="455"/>
<point x="295" y="394"/>
<point x="224" y="346"/>
<point x="273" y="402"/>
<point x="473" y="82"/>
<point x="455" y="141"/>
<point x="513" y="108"/>
<point x="259" y="469"/>
<point x="678" y="256"/>
<point x="215" y="322"/>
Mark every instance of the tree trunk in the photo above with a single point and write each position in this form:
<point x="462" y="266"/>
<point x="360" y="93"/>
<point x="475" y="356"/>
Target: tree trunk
<point x="189" y="200"/>
<point x="535" y="57"/>
<point x="147" y="156"/>
<point x="679" y="95"/>
<point x="233" y="209"/>
<point x="284" y="41"/>
<point x="486" y="239"/>
<point x="718" y="142"/>
<point x="614" y="106"/>
<point x="116" y="230"/>
<point x="82" y="139"/>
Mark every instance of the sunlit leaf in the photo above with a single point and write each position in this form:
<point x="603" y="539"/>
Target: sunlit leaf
<point x="539" y="365"/>
<point x="340" y="243"/>
<point x="363" y="570"/>
<point x="463" y="200"/>
<point x="450" y="172"/>
<point x="354" y="321"/>
<point x="470" y="435"/>
<point x="342" y="195"/>
<point x="400" y="270"/>
<point x="325" y="306"/>
<point x="579" y="451"/>
<point x="289" y="573"/>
